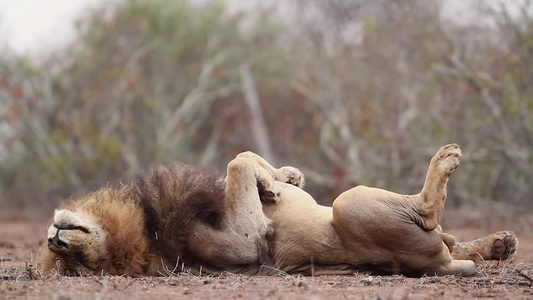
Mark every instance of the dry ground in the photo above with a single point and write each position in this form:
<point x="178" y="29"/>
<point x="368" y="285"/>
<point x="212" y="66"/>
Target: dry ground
<point x="19" y="279"/>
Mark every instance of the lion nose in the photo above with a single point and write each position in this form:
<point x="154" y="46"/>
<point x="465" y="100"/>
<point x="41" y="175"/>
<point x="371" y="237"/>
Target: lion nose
<point x="56" y="242"/>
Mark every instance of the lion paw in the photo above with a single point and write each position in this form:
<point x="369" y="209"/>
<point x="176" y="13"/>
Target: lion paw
<point x="269" y="192"/>
<point x="504" y="245"/>
<point x="448" y="158"/>
<point x="290" y="175"/>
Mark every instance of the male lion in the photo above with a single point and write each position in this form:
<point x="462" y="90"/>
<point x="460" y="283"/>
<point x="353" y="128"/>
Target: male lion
<point x="259" y="220"/>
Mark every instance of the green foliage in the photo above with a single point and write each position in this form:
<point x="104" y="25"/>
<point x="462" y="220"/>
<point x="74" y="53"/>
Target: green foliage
<point x="359" y="100"/>
<point x="134" y="89"/>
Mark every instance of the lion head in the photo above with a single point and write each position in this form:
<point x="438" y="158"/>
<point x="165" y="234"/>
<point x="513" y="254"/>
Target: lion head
<point x="78" y="241"/>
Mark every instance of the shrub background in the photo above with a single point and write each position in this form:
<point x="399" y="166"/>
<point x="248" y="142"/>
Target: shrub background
<point x="351" y="92"/>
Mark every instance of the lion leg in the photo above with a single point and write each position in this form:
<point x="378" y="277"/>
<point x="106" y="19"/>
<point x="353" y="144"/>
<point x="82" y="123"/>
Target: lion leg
<point x="458" y="267"/>
<point x="448" y="239"/>
<point x="497" y="246"/>
<point x="285" y="174"/>
<point x="244" y="234"/>
<point x="430" y="202"/>
<point x="247" y="179"/>
<point x="380" y="234"/>
<point x="424" y="209"/>
<point x="452" y="265"/>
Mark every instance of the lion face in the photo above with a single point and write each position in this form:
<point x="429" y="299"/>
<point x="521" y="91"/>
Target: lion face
<point x="78" y="242"/>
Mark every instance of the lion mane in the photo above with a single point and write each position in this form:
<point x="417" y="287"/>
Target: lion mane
<point x="147" y="222"/>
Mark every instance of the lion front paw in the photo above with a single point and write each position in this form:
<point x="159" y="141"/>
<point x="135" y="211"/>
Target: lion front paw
<point x="269" y="191"/>
<point x="448" y="158"/>
<point x="290" y="175"/>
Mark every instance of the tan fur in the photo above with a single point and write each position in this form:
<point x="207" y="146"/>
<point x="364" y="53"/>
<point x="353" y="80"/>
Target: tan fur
<point x="259" y="220"/>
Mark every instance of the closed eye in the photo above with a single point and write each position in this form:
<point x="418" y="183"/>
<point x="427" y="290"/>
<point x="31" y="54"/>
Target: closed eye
<point x="72" y="227"/>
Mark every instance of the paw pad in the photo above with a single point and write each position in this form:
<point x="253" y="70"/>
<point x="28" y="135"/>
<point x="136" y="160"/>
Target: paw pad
<point x="269" y="197"/>
<point x="505" y="246"/>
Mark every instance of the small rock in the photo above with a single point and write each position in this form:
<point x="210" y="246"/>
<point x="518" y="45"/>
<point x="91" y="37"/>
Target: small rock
<point x="526" y="283"/>
<point x="6" y="277"/>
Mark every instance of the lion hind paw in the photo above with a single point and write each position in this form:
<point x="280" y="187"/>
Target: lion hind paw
<point x="505" y="245"/>
<point x="448" y="158"/>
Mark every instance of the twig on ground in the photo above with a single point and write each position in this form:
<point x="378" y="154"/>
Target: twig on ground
<point x="521" y="274"/>
<point x="103" y="291"/>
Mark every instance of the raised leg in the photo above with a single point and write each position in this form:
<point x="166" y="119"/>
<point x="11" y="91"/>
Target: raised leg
<point x="375" y="216"/>
<point x="381" y="234"/>
<point x="245" y="233"/>
<point x="285" y="174"/>
<point x="430" y="202"/>
<point x="247" y="178"/>
<point x="425" y="208"/>
<point x="497" y="246"/>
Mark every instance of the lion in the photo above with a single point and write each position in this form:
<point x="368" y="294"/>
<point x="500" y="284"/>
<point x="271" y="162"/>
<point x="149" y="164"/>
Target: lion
<point x="259" y="220"/>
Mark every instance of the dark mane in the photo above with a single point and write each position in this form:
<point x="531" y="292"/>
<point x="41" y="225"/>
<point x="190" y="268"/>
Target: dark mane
<point x="173" y="198"/>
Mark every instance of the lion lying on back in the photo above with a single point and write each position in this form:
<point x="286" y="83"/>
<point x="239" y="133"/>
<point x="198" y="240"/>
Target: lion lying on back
<point x="258" y="220"/>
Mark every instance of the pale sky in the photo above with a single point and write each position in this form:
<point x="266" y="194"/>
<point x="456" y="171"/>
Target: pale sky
<point x="32" y="26"/>
<point x="39" y="26"/>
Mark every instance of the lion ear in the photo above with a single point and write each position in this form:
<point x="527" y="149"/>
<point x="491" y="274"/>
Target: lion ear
<point x="65" y="218"/>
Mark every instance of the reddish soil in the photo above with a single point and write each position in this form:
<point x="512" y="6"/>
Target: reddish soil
<point x="20" y="279"/>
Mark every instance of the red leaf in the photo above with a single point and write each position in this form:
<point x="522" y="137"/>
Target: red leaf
<point x="16" y="92"/>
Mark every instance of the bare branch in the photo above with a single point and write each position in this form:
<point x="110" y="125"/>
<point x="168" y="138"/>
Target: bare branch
<point x="260" y="131"/>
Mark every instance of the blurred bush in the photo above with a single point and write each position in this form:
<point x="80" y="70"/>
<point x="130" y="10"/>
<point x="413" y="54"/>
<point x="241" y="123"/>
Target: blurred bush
<point x="349" y="92"/>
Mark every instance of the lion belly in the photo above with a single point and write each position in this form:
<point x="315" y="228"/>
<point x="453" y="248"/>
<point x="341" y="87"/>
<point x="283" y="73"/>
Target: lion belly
<point x="313" y="239"/>
<point x="305" y="240"/>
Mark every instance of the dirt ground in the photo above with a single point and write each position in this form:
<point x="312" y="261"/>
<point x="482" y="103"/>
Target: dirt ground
<point x="20" y="279"/>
